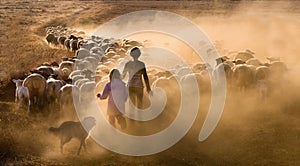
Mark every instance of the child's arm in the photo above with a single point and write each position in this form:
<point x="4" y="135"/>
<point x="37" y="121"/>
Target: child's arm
<point x="105" y="92"/>
<point x="125" y="70"/>
<point x="146" y="79"/>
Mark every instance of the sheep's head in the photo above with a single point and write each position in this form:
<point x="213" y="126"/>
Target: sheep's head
<point x="89" y="122"/>
<point x="18" y="82"/>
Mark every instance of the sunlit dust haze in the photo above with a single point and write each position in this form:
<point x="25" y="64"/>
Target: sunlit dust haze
<point x="251" y="131"/>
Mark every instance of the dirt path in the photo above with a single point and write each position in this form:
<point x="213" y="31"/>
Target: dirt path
<point x="248" y="134"/>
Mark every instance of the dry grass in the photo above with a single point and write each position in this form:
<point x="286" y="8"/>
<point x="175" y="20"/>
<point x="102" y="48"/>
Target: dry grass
<point x="249" y="133"/>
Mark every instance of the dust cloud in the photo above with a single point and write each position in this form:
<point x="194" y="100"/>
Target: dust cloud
<point x="250" y="128"/>
<point x="247" y="120"/>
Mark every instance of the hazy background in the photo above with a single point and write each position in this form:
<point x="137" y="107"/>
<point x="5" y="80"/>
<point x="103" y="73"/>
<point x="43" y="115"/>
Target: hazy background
<point x="251" y="132"/>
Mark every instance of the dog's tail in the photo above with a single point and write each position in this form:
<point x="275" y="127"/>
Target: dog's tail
<point x="54" y="130"/>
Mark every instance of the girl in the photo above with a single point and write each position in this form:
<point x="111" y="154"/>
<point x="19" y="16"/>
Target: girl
<point x="117" y="94"/>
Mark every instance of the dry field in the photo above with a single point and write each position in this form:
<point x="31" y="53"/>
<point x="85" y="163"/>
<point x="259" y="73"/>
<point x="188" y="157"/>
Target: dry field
<point x="250" y="132"/>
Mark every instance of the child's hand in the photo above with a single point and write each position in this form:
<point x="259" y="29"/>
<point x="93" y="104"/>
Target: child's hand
<point x="150" y="93"/>
<point x="98" y="95"/>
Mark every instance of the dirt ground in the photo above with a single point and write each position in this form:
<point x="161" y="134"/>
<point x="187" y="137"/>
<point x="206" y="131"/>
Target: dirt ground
<point x="250" y="132"/>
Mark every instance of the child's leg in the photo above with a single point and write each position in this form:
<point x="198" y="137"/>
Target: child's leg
<point x="140" y="93"/>
<point x="111" y="120"/>
<point x="121" y="121"/>
<point x="132" y="96"/>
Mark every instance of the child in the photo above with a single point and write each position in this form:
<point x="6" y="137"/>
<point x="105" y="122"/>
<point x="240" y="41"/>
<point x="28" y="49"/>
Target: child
<point x="137" y="72"/>
<point x="117" y="94"/>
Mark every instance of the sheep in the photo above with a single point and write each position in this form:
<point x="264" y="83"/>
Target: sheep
<point x="254" y="61"/>
<point x="50" y="38"/>
<point x="97" y="50"/>
<point x="67" y="44"/>
<point x="227" y="73"/>
<point x="54" y="64"/>
<point x="70" y="129"/>
<point x="172" y="90"/>
<point x="96" y="56"/>
<point x="62" y="40"/>
<point x="22" y="94"/>
<point x="204" y="80"/>
<point x="73" y="45"/>
<point x="77" y="77"/>
<point x="87" y="92"/>
<point x="52" y="89"/>
<point x="83" y="64"/>
<point x="278" y="73"/>
<point x="243" y="76"/>
<point x="80" y="43"/>
<point x="186" y="82"/>
<point x="198" y="67"/>
<point x="238" y="61"/>
<point x="59" y="73"/>
<point x="67" y="64"/>
<point x="109" y="64"/>
<point x="55" y="41"/>
<point x="262" y="73"/>
<point x="263" y="89"/>
<point x="221" y="59"/>
<point x="80" y="82"/>
<point x="87" y="73"/>
<point x="278" y="68"/>
<point x="36" y="85"/>
<point x="89" y="44"/>
<point x="184" y="71"/>
<point x="273" y="59"/>
<point x="68" y="96"/>
<point x="164" y="74"/>
<point x="170" y="85"/>
<point x="102" y="69"/>
<point x="45" y="71"/>
<point x="244" y="55"/>
<point x="74" y="73"/>
<point x="82" y="53"/>
<point x="65" y="73"/>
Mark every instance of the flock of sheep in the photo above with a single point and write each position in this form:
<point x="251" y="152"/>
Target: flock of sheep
<point x="66" y="82"/>
<point x="56" y="83"/>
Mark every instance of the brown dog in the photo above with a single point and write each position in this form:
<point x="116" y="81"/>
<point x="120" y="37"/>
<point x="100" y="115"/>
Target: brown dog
<point x="69" y="129"/>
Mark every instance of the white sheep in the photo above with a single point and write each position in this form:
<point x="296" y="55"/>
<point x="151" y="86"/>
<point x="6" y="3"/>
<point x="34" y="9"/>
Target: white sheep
<point x="22" y="94"/>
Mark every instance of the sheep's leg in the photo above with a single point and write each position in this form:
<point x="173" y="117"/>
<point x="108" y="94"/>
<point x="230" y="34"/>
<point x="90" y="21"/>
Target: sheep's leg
<point x="62" y="105"/>
<point x="40" y="101"/>
<point x="34" y="100"/>
<point x="63" y="141"/>
<point x="16" y="99"/>
<point x="28" y="105"/>
<point x="19" y="104"/>
<point x="61" y="148"/>
<point x="82" y="143"/>
<point x="84" y="146"/>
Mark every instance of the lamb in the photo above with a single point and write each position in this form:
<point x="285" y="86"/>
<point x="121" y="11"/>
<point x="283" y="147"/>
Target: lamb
<point x="70" y="129"/>
<point x="22" y="94"/>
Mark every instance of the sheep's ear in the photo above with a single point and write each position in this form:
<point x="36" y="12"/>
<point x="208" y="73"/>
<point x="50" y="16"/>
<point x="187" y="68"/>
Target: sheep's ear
<point x="14" y="81"/>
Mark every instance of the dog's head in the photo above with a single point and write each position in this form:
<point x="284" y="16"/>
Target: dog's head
<point x="89" y="122"/>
